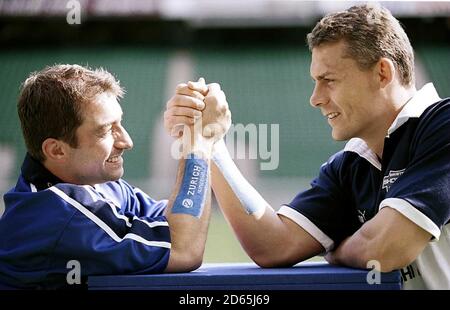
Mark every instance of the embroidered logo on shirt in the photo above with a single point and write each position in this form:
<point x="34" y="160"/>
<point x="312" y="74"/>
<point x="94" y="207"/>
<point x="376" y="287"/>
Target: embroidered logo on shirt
<point x="362" y="216"/>
<point x="389" y="179"/>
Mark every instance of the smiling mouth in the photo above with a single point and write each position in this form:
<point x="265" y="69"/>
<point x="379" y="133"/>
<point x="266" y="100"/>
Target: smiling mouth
<point x="113" y="159"/>
<point x="333" y="115"/>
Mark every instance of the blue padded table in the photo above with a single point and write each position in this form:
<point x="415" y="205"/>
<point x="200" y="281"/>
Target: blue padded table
<point x="248" y="276"/>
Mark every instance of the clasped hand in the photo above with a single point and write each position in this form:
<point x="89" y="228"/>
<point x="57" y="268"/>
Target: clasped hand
<point x="201" y="108"/>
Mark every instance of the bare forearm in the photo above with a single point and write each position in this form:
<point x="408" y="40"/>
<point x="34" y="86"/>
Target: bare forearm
<point x="269" y="239"/>
<point x="390" y="239"/>
<point x="247" y="227"/>
<point x="248" y="213"/>
<point x="256" y="240"/>
<point x="188" y="238"/>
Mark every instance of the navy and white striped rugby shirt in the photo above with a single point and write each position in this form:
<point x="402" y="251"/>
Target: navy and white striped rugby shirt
<point x="112" y="228"/>
<point x="413" y="177"/>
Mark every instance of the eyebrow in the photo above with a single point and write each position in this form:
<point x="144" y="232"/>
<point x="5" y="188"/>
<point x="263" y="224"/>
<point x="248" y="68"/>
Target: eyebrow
<point x="324" y="75"/>
<point x="103" y="127"/>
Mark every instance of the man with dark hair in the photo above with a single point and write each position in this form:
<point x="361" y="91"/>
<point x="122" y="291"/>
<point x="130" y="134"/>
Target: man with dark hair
<point x="384" y="200"/>
<point x="70" y="206"/>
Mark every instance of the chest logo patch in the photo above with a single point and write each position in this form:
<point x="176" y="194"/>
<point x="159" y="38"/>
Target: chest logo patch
<point x="389" y="179"/>
<point x="362" y="216"/>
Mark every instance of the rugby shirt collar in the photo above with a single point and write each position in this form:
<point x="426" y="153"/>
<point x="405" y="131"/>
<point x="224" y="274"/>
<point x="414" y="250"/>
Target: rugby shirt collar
<point x="414" y="108"/>
<point x="35" y="173"/>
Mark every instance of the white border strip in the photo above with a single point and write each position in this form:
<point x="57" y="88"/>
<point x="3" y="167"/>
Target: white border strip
<point x="103" y="225"/>
<point x="421" y="100"/>
<point x="33" y="188"/>
<point x="307" y="225"/>
<point x="359" y="146"/>
<point x="121" y="216"/>
<point x="409" y="211"/>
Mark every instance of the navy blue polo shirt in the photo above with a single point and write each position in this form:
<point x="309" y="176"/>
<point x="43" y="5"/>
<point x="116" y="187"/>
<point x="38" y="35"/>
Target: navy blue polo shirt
<point x="109" y="228"/>
<point x="413" y="177"/>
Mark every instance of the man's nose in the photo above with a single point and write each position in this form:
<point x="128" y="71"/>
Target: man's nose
<point x="123" y="141"/>
<point x="318" y="97"/>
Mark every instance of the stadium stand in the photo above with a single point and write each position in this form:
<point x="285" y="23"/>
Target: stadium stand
<point x="436" y="59"/>
<point x="271" y="85"/>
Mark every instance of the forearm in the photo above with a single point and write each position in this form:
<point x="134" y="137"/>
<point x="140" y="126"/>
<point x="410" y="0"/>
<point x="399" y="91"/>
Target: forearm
<point x="257" y="235"/>
<point x="228" y="178"/>
<point x="188" y="211"/>
<point x="382" y="239"/>
<point x="269" y="239"/>
<point x="188" y="238"/>
<point x="358" y="251"/>
<point x="239" y="200"/>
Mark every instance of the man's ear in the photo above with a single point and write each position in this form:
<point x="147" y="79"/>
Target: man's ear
<point x="54" y="149"/>
<point x="386" y="71"/>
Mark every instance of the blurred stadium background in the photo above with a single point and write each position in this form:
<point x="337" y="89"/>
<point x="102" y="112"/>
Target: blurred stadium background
<point x="255" y="49"/>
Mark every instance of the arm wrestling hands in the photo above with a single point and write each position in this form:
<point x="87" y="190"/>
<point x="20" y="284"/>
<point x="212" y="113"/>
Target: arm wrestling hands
<point x="274" y="240"/>
<point x="189" y="208"/>
<point x="268" y="238"/>
<point x="196" y="103"/>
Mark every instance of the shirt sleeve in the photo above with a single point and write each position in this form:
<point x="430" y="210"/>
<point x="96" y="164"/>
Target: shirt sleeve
<point x="422" y="192"/>
<point x="323" y="211"/>
<point x="106" y="240"/>
<point x="141" y="204"/>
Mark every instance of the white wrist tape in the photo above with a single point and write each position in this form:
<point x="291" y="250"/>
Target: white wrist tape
<point x="250" y="199"/>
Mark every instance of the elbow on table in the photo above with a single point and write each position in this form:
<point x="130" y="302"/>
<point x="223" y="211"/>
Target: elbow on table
<point x="184" y="261"/>
<point x="387" y="262"/>
<point x="193" y="263"/>
<point x="389" y="266"/>
<point x="265" y="260"/>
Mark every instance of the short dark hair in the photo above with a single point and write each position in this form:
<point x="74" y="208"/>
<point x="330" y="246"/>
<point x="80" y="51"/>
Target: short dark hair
<point x="370" y="32"/>
<point x="51" y="103"/>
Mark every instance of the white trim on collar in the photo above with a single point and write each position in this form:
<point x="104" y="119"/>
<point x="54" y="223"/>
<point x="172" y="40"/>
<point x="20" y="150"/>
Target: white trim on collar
<point x="359" y="146"/>
<point x="421" y="100"/>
